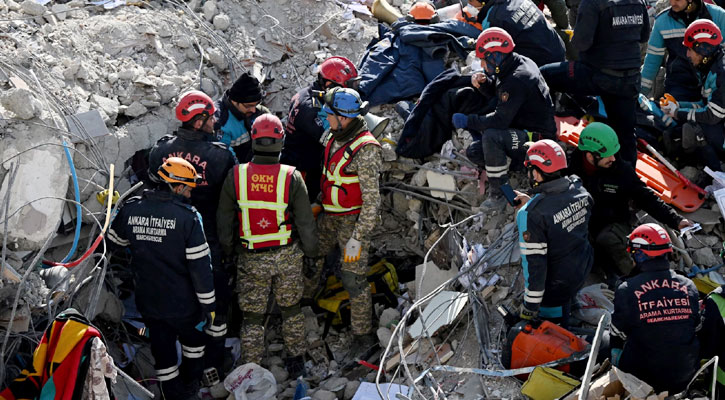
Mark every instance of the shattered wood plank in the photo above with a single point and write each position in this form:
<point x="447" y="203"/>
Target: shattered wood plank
<point x="407" y="351"/>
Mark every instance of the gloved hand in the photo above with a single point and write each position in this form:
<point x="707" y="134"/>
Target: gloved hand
<point x="616" y="353"/>
<point x="316" y="210"/>
<point x="352" y="251"/>
<point x="669" y="105"/>
<point x="102" y="197"/>
<point x="460" y="121"/>
<point x="608" y="293"/>
<point x="206" y="322"/>
<point x="309" y="267"/>
<point x="527" y="314"/>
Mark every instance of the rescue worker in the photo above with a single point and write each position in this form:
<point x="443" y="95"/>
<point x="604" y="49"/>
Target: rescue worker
<point x="681" y="79"/>
<point x="555" y="252"/>
<point x="526" y="24"/>
<point x="702" y="130"/>
<point x="350" y="198"/>
<point x="607" y="36"/>
<point x="173" y="275"/>
<point x="524" y="111"/>
<point x="712" y="333"/>
<point x="613" y="184"/>
<point x="306" y="121"/>
<point x="235" y="113"/>
<point x="260" y="200"/>
<point x="656" y="313"/>
<point x="195" y="142"/>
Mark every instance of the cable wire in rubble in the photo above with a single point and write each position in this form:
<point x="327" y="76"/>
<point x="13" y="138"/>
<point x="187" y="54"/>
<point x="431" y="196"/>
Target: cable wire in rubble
<point x="476" y="306"/>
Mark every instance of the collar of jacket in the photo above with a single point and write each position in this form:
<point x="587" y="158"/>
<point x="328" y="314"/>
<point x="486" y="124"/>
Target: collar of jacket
<point x="228" y="104"/>
<point x="356" y="126"/>
<point x="660" y="263"/>
<point x="509" y="64"/>
<point x="556" y="186"/>
<point x="189" y="134"/>
<point x="687" y="18"/>
<point x="265" y="160"/>
<point x="163" y="195"/>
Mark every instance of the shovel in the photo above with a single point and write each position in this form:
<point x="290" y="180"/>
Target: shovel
<point x="701" y="193"/>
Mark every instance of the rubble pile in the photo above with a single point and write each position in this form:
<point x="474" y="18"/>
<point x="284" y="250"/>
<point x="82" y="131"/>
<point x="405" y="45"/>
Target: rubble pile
<point x="84" y="86"/>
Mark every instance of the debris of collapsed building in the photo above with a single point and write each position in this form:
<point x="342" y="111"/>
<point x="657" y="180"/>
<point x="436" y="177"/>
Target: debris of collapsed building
<point x="88" y="86"/>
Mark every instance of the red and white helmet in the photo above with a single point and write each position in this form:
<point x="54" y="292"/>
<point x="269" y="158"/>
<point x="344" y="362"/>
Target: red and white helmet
<point x="339" y="70"/>
<point x="267" y="126"/>
<point x="546" y="155"/>
<point x="651" y="239"/>
<point x="494" y="40"/>
<point x="194" y="103"/>
<point x="702" y="36"/>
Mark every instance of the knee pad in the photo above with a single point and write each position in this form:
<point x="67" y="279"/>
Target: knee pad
<point x="251" y="318"/>
<point x="291" y="311"/>
<point x="354" y="284"/>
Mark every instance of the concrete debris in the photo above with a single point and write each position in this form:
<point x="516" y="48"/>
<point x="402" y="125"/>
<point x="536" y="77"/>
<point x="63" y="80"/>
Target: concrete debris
<point x="705" y="257"/>
<point x="324" y="395"/>
<point x="21" y="102"/>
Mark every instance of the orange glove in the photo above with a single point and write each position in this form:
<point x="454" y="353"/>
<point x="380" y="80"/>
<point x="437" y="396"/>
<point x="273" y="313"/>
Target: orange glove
<point x="316" y="210"/>
<point x="668" y="104"/>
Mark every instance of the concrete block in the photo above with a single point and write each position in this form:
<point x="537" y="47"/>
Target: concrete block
<point x="432" y="278"/>
<point x="42" y="172"/>
<point x="441" y="181"/>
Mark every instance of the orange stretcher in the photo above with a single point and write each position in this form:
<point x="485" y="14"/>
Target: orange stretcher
<point x="668" y="186"/>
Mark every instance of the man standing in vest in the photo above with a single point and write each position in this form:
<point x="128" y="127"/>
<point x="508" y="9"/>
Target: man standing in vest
<point x="351" y="200"/>
<point x="712" y="333"/>
<point x="266" y="197"/>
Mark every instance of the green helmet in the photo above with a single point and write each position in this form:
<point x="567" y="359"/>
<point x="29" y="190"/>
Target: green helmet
<point x="599" y="138"/>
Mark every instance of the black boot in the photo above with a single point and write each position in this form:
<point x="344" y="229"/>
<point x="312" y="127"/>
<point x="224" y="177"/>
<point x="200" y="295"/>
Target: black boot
<point x="295" y="367"/>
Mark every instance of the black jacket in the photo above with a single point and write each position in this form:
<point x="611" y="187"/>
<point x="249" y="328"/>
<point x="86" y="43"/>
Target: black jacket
<point x="526" y="24"/>
<point x="612" y="188"/>
<point x="305" y="124"/>
<point x="608" y="33"/>
<point x="656" y="314"/>
<point x="212" y="160"/>
<point x="170" y="256"/>
<point x="523" y="99"/>
<point x="555" y="252"/>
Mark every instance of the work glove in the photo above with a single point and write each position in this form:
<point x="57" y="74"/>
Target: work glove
<point x="669" y="105"/>
<point x="460" y="121"/>
<point x="102" y="197"/>
<point x="316" y="210"/>
<point x="352" y="251"/>
<point x="526" y="314"/>
<point x="606" y="292"/>
<point x="206" y="322"/>
<point x="309" y="267"/>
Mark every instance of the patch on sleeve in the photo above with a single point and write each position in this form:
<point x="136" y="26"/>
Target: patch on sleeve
<point x="526" y="235"/>
<point x="504" y="96"/>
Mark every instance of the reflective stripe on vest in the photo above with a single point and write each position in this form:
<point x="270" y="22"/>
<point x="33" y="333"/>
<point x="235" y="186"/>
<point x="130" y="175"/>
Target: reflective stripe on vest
<point x="720" y="303"/>
<point x="262" y="197"/>
<point x="341" y="191"/>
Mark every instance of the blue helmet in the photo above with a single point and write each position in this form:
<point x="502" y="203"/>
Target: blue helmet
<point x="345" y="102"/>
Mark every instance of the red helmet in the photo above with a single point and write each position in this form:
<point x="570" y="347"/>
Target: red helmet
<point x="339" y="70"/>
<point x="702" y="36"/>
<point x="267" y="126"/>
<point x="494" y="40"/>
<point x="651" y="239"/>
<point x="546" y="155"/>
<point x="194" y="103"/>
<point x="422" y="13"/>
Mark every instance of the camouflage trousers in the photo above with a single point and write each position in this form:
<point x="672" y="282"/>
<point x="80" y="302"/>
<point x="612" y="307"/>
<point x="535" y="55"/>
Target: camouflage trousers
<point x="281" y="272"/>
<point x="337" y="230"/>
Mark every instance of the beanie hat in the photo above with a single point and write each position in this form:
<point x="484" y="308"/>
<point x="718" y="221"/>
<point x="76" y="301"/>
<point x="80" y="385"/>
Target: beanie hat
<point x="245" y="90"/>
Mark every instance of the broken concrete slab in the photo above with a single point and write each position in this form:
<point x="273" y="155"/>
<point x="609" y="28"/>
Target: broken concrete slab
<point x="21" y="102"/>
<point x="428" y="277"/>
<point x="89" y="123"/>
<point x="441" y="181"/>
<point x="440" y="311"/>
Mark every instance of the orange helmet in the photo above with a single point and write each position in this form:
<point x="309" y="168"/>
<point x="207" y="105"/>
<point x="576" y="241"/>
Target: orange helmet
<point x="194" y="103"/>
<point x="178" y="170"/>
<point x="422" y="13"/>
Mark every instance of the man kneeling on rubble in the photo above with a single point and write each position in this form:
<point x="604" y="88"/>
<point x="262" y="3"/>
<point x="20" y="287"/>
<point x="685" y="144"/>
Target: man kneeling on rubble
<point x="613" y="183"/>
<point x="656" y="315"/>
<point x="524" y="111"/>
<point x="553" y="237"/>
